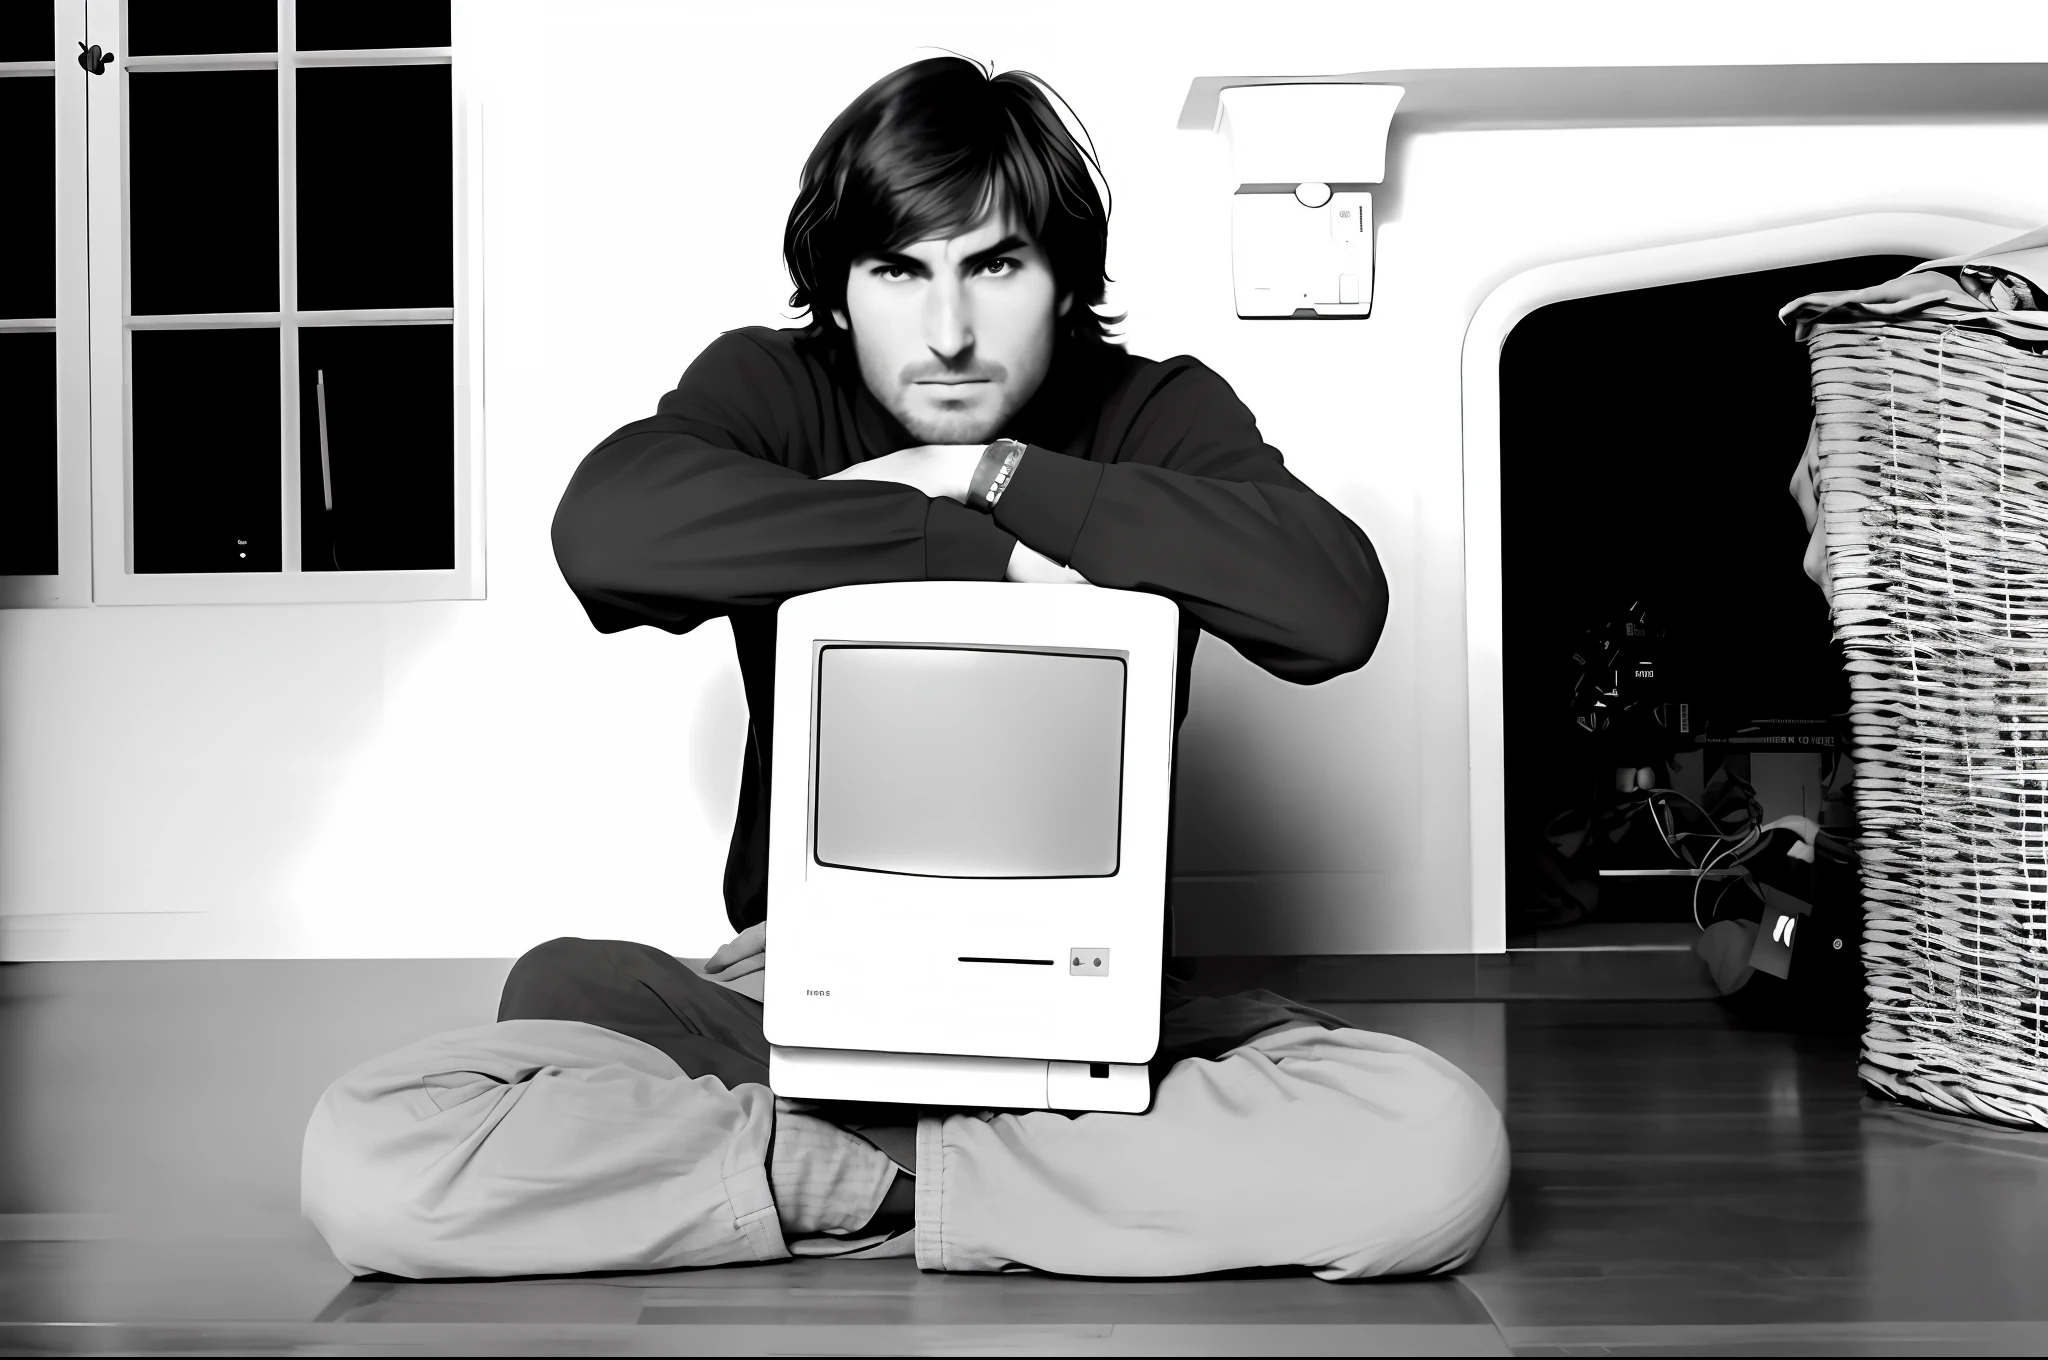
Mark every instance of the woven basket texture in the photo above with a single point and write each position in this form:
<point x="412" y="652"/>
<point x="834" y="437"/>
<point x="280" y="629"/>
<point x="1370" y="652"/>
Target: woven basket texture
<point x="1933" y="486"/>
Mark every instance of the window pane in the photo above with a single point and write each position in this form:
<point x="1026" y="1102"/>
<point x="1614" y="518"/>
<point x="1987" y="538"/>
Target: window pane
<point x="28" y="454"/>
<point x="28" y="222"/>
<point x="376" y="188"/>
<point x="28" y="32"/>
<point x="330" y="24"/>
<point x="202" y="186"/>
<point x="207" y="467"/>
<point x="167" y="27"/>
<point x="387" y="499"/>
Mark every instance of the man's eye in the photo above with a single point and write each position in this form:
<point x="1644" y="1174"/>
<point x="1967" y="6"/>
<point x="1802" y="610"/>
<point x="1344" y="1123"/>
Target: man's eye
<point x="881" y="271"/>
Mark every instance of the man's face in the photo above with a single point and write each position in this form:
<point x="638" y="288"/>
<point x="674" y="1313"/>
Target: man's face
<point x="954" y="335"/>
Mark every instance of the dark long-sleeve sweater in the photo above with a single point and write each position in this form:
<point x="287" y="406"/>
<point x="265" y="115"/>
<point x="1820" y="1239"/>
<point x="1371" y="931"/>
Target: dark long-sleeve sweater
<point x="1139" y="474"/>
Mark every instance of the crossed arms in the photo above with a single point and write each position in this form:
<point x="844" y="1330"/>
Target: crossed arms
<point x="945" y="470"/>
<point x="736" y="497"/>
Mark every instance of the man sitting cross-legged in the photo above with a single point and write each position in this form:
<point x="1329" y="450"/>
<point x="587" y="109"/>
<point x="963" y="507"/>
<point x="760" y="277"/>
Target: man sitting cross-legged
<point x="953" y="412"/>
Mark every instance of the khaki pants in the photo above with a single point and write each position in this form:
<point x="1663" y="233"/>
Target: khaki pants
<point x="617" y="1118"/>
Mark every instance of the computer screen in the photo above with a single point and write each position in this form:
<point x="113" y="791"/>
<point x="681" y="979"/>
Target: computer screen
<point x="968" y="762"/>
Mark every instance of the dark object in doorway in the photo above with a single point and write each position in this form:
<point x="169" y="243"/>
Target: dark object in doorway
<point x="1604" y="827"/>
<point x="1627" y="688"/>
<point x="1822" y="990"/>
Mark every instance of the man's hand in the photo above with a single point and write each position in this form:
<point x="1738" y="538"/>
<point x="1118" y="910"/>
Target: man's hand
<point x="1032" y="567"/>
<point x="744" y="953"/>
<point x="935" y="469"/>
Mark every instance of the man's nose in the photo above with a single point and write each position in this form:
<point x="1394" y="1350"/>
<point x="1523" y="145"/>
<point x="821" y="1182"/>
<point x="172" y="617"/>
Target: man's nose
<point x="948" y="327"/>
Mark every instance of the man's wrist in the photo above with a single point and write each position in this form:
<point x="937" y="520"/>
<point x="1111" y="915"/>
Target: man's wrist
<point x="972" y="457"/>
<point x="986" y="464"/>
<point x="992" y="474"/>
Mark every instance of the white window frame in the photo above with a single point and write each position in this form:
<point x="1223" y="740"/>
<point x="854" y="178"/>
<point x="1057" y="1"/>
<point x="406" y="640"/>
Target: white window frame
<point x="1929" y="236"/>
<point x="71" y="584"/>
<point x="114" y="580"/>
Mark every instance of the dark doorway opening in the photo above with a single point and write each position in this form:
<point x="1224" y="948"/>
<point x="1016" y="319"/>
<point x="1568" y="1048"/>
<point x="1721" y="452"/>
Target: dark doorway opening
<point x="1657" y="623"/>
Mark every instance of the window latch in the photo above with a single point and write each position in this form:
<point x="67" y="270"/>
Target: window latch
<point x="94" y="60"/>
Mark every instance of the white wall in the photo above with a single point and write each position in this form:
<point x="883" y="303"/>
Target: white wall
<point x="466" y="779"/>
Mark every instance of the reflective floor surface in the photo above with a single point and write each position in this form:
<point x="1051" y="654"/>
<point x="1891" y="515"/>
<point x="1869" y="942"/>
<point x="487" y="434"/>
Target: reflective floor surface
<point x="1682" y="1185"/>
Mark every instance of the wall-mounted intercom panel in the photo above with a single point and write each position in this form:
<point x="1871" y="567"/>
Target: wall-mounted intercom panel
<point x="1304" y="251"/>
<point x="1304" y="158"/>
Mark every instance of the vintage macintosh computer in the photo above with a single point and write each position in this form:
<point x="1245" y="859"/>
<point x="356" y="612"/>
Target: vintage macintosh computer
<point x="967" y="844"/>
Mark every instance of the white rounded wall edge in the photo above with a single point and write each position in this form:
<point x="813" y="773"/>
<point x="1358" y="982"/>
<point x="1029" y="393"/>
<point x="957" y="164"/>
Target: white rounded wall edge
<point x="1931" y="236"/>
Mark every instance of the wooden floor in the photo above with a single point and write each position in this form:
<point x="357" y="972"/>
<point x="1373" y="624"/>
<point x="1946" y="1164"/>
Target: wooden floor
<point x="1682" y="1185"/>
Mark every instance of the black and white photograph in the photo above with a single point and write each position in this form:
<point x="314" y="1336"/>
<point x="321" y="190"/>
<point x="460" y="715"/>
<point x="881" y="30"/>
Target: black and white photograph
<point x="1376" y="673"/>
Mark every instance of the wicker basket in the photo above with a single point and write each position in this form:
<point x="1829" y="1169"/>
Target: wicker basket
<point x="1933" y="488"/>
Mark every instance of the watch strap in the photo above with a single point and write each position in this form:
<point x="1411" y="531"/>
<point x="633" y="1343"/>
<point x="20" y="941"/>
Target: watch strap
<point x="992" y="475"/>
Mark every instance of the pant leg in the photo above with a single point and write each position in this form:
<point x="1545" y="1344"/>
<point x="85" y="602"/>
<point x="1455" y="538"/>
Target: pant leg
<point x="538" y="1147"/>
<point x="1192" y="1026"/>
<point x="1352" y="1153"/>
<point x="640" y="991"/>
<point x="637" y="990"/>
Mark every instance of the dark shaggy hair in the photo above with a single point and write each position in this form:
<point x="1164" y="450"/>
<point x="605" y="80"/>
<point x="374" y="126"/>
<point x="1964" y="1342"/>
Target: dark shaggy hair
<point x="919" y="156"/>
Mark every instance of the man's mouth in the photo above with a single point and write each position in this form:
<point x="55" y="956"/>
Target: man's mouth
<point x="952" y="382"/>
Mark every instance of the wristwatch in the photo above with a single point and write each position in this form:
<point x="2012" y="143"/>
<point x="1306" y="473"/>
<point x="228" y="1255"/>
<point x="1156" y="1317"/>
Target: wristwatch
<point x="992" y="474"/>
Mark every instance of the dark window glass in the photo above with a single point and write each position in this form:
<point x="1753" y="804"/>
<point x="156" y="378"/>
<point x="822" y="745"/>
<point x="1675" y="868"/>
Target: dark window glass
<point x="386" y="501"/>
<point x="160" y="28"/>
<point x="28" y="453"/>
<point x="28" y="32"/>
<point x="202" y="185"/>
<point x="206" y="480"/>
<point x="376" y="190"/>
<point x="327" y="25"/>
<point x="28" y="224"/>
